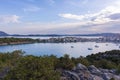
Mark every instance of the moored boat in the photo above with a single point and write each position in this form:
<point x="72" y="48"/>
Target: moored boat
<point x="90" y="49"/>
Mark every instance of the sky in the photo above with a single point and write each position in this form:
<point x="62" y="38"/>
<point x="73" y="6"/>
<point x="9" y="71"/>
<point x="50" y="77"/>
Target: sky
<point x="59" y="16"/>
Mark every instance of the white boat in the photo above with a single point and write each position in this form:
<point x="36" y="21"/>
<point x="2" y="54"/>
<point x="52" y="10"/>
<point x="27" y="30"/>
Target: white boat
<point x="96" y="46"/>
<point x="106" y="44"/>
<point x="72" y="46"/>
<point x="90" y="49"/>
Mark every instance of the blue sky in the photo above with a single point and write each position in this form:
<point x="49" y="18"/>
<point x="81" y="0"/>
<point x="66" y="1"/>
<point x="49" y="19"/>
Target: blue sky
<point x="59" y="16"/>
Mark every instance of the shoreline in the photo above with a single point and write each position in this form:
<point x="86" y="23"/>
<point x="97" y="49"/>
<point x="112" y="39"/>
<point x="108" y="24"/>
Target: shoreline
<point x="15" y="43"/>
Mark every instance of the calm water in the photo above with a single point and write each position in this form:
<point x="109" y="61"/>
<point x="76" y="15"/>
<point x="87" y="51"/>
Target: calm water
<point x="59" y="49"/>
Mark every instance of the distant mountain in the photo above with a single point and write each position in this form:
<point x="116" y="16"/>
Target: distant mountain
<point x="98" y="34"/>
<point x="53" y="35"/>
<point x="58" y="35"/>
<point x="110" y="34"/>
<point x="3" y="33"/>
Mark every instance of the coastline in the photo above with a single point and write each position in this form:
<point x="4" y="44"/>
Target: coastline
<point x="15" y="43"/>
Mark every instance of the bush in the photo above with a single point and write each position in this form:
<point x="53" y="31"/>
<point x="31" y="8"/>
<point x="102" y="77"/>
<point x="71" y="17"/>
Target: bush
<point x="34" y="68"/>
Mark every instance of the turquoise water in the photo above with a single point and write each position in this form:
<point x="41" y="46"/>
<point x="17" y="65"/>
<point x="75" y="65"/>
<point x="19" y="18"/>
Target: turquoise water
<point x="59" y="49"/>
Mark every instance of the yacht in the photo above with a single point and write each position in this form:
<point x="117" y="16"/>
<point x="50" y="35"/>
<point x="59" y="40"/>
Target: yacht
<point x="90" y="49"/>
<point x="72" y="46"/>
<point x="106" y="44"/>
<point x="96" y="46"/>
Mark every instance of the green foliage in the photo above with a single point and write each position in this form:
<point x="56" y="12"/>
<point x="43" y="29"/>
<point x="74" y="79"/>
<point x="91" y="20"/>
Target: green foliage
<point x="118" y="68"/>
<point x="108" y="59"/>
<point x="12" y="40"/>
<point x="112" y="79"/>
<point x="65" y="62"/>
<point x="10" y="59"/>
<point x="34" y="68"/>
<point x="45" y="67"/>
<point x="81" y="60"/>
<point x="105" y="64"/>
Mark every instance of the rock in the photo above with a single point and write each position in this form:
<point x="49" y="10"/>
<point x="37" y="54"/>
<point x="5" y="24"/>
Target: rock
<point x="94" y="77"/>
<point x="108" y="71"/>
<point x="104" y="70"/>
<point x="81" y="67"/>
<point x="108" y="76"/>
<point x="113" y="71"/>
<point x="94" y="70"/>
<point x="81" y="72"/>
<point x="63" y="78"/>
<point x="71" y="75"/>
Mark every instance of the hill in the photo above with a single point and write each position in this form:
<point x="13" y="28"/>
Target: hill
<point x="3" y="33"/>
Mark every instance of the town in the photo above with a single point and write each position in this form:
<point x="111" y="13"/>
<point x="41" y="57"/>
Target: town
<point x="115" y="39"/>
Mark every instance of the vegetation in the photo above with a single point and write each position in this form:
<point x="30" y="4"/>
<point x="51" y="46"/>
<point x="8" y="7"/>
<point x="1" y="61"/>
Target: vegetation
<point x="17" y="40"/>
<point x="28" y="67"/>
<point x="108" y="59"/>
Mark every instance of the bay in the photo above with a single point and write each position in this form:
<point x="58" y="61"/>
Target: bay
<point x="59" y="49"/>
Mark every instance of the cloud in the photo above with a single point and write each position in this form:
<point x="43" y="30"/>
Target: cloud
<point x="96" y="18"/>
<point x="81" y="28"/>
<point x="31" y="9"/>
<point x="72" y="16"/>
<point x="78" y="27"/>
<point x="105" y="15"/>
<point x="105" y="20"/>
<point x="9" y="19"/>
<point x="115" y="16"/>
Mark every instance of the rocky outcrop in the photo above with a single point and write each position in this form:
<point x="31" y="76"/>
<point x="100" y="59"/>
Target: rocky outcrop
<point x="81" y="72"/>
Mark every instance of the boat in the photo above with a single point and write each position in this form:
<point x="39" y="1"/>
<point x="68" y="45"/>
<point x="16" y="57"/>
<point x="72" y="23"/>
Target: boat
<point x="72" y="46"/>
<point x="106" y="44"/>
<point x="90" y="49"/>
<point x="96" y="46"/>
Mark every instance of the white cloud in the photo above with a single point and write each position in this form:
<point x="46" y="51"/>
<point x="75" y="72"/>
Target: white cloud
<point x="87" y="23"/>
<point x="31" y="9"/>
<point x="9" y="19"/>
<point x="98" y="17"/>
<point x="72" y="16"/>
<point x="63" y="28"/>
